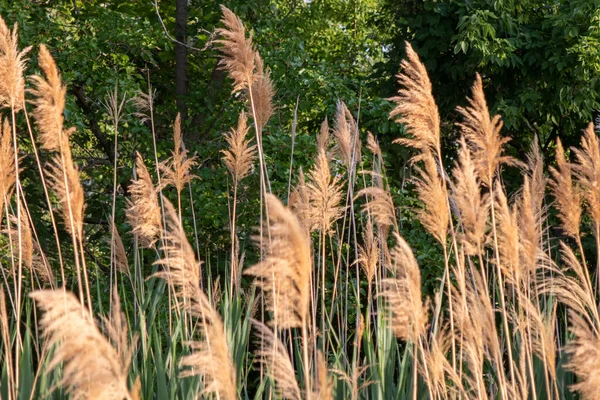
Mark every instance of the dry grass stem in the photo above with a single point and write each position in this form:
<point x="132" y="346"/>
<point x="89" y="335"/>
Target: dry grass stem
<point x="584" y="352"/>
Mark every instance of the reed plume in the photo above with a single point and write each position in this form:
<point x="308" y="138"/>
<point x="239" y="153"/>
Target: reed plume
<point x="368" y="252"/>
<point x="416" y="108"/>
<point x="323" y="138"/>
<point x="284" y="274"/>
<point x="8" y="171"/>
<point x="432" y="191"/>
<point x="568" y="197"/>
<point x="402" y="292"/>
<point x="176" y="169"/>
<point x="325" y="383"/>
<point x="12" y="67"/>
<point x="380" y="206"/>
<point x="588" y="171"/>
<point x="143" y="212"/>
<point x="346" y="133"/>
<point x="240" y="155"/>
<point x="19" y="233"/>
<point x="65" y="182"/>
<point x="482" y="133"/>
<point x="507" y="220"/>
<point x="49" y="103"/>
<point x="211" y="356"/>
<point x="144" y="104"/>
<point x="373" y="145"/>
<point x="300" y="202"/>
<point x="584" y="352"/>
<point x="274" y="356"/>
<point x="93" y="368"/>
<point x="471" y="204"/>
<point x="238" y="57"/>
<point x="325" y="195"/>
<point x="120" y="254"/>
<point x="262" y="94"/>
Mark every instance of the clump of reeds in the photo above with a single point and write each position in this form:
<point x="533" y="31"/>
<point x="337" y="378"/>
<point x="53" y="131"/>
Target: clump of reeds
<point x="210" y="356"/>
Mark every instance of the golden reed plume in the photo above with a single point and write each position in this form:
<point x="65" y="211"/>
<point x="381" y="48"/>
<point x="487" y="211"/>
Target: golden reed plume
<point x="93" y="367"/>
<point x="12" y="67"/>
<point x="143" y="212"/>
<point x="415" y="106"/>
<point x="240" y="155"/>
<point x="284" y="274"/>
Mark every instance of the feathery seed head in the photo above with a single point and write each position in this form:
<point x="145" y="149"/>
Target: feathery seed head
<point x="587" y="170"/>
<point x="415" y="106"/>
<point x="240" y="155"/>
<point x="7" y="165"/>
<point x="49" y="103"/>
<point x="12" y="67"/>
<point x="262" y="94"/>
<point x="143" y="213"/>
<point x="284" y="274"/>
<point x="238" y="57"/>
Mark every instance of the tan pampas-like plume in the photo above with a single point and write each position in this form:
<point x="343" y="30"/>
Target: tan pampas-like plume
<point x="210" y="356"/>
<point x="300" y="201"/>
<point x="432" y="191"/>
<point x="406" y="312"/>
<point x="415" y="106"/>
<point x="588" y="173"/>
<point x="284" y="274"/>
<point x="482" y="133"/>
<point x="380" y="206"/>
<point x="7" y="165"/>
<point x="177" y="168"/>
<point x="262" y="94"/>
<point x="49" y="103"/>
<point x="323" y="137"/>
<point x="373" y="145"/>
<point x="12" y="67"/>
<point x="274" y="356"/>
<point x="19" y="232"/>
<point x="143" y="213"/>
<point x="348" y="144"/>
<point x="584" y="361"/>
<point x="325" y="195"/>
<point x="325" y="383"/>
<point x="65" y="182"/>
<point x="238" y="57"/>
<point x="507" y="220"/>
<point x="118" y="250"/>
<point x="471" y="204"/>
<point x="368" y="252"/>
<point x="93" y="368"/>
<point x="566" y="194"/>
<point x="240" y="155"/>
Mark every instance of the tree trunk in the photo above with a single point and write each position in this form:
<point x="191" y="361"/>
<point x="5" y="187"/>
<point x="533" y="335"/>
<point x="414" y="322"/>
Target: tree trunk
<point x="181" y="83"/>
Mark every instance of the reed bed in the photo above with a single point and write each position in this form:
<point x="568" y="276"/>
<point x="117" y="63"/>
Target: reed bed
<point x="334" y="307"/>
